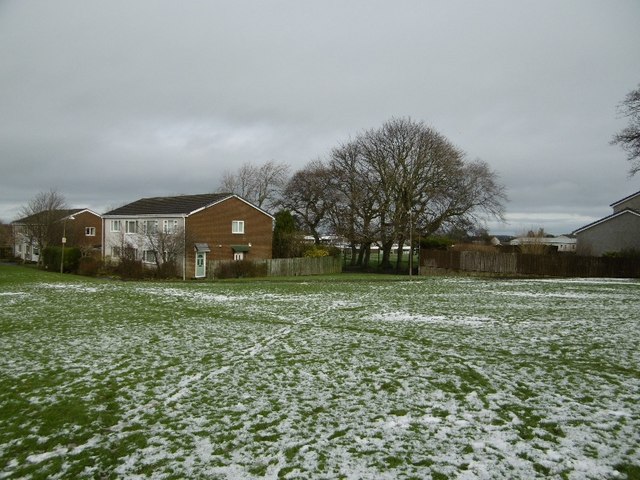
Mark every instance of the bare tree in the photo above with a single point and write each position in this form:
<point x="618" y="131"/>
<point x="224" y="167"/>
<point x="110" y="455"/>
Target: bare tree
<point x="306" y="195"/>
<point x="405" y="177"/>
<point x="166" y="242"/>
<point x="40" y="218"/>
<point x="261" y="185"/>
<point x="629" y="137"/>
<point x="355" y="208"/>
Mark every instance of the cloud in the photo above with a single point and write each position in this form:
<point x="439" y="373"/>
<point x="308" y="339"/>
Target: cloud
<point x="112" y="101"/>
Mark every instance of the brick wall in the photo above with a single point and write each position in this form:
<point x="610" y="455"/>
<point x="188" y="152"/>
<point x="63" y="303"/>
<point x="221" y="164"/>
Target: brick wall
<point x="76" y="230"/>
<point x="213" y="226"/>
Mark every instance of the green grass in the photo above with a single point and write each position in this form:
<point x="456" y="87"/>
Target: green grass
<point x="318" y="377"/>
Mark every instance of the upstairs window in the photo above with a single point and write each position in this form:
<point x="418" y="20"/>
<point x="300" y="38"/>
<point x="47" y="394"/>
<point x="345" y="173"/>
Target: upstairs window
<point x="237" y="226"/>
<point x="90" y="231"/>
<point x="169" y="226"/>
<point x="116" y="226"/>
<point x="131" y="226"/>
<point x="150" y="226"/>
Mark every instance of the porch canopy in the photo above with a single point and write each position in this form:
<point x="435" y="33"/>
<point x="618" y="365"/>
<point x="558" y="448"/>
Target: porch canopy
<point x="240" y="248"/>
<point x="202" y="247"/>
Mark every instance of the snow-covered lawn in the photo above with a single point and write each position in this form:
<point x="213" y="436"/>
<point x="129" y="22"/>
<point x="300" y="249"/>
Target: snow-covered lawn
<point x="430" y="378"/>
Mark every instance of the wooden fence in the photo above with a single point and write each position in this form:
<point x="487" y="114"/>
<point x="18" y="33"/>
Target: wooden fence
<point x="289" y="267"/>
<point x="435" y="261"/>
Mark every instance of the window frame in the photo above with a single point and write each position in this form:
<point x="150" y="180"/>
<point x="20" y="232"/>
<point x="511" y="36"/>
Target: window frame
<point x="169" y="226"/>
<point x="148" y="253"/>
<point x="127" y="223"/>
<point x="150" y="227"/>
<point x="116" y="226"/>
<point x="89" y="231"/>
<point x="237" y="227"/>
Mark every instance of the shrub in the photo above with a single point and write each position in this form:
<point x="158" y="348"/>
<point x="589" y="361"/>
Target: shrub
<point x="435" y="243"/>
<point x="130" y="269"/>
<point x="240" y="269"/>
<point x="51" y="257"/>
<point x="629" y="253"/>
<point x="167" y="270"/>
<point x="89" y="266"/>
<point x="315" y="251"/>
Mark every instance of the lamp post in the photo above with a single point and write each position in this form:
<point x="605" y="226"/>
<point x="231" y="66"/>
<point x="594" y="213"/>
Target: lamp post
<point x="410" y="244"/>
<point x="64" y="239"/>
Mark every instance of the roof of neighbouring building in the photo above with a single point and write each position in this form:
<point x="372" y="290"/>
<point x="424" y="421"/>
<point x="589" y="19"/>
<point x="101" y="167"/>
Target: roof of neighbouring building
<point x="181" y="204"/>
<point x="627" y="211"/>
<point x="625" y="199"/>
<point x="55" y="214"/>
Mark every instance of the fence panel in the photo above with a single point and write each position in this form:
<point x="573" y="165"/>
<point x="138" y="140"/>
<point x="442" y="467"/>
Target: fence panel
<point x="289" y="267"/>
<point x="433" y="261"/>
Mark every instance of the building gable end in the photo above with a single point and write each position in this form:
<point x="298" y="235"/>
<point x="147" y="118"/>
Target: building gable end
<point x="606" y="219"/>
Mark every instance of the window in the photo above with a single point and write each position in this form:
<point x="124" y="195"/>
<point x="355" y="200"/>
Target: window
<point x="237" y="226"/>
<point x="238" y="256"/>
<point x="115" y="225"/>
<point x="169" y="226"/>
<point x="90" y="231"/>
<point x="131" y="226"/>
<point x="115" y="252"/>
<point x="149" y="256"/>
<point x="150" y="226"/>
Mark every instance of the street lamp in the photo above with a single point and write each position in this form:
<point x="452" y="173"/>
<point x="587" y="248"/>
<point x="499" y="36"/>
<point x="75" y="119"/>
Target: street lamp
<point x="411" y="227"/>
<point x="64" y="238"/>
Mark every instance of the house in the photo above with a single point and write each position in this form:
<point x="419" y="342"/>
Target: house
<point x="77" y="227"/>
<point x="561" y="243"/>
<point x="6" y="242"/>
<point x="617" y="232"/>
<point x="189" y="230"/>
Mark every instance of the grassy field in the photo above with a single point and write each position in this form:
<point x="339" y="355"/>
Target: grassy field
<point x="342" y="377"/>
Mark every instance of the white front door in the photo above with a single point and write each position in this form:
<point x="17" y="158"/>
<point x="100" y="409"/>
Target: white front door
<point x="201" y="264"/>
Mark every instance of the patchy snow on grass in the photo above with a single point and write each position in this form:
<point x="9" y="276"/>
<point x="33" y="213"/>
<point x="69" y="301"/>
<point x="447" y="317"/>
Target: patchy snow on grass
<point x="430" y="378"/>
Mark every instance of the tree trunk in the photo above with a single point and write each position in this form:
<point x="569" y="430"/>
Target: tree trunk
<point x="400" y="252"/>
<point x="386" y="254"/>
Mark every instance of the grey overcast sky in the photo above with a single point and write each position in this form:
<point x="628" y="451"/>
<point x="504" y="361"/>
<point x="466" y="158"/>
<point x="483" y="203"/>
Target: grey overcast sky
<point x="111" y="101"/>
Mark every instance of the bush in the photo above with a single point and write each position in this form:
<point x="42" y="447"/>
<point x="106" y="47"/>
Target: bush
<point x="51" y="257"/>
<point x="240" y="269"/>
<point x="167" y="270"/>
<point x="315" y="251"/>
<point x="129" y="269"/>
<point x="435" y="243"/>
<point x="89" y="266"/>
<point x="629" y="253"/>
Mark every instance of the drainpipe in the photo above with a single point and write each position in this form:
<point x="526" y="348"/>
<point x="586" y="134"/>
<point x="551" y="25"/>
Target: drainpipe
<point x="184" y="248"/>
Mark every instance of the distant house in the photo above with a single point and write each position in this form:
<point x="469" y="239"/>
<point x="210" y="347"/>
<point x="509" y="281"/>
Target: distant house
<point x="80" y="227"/>
<point x="617" y="232"/>
<point x="6" y="242"/>
<point x="561" y="243"/>
<point x="189" y="230"/>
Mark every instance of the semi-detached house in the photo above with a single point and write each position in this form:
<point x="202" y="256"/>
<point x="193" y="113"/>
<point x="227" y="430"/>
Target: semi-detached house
<point x="195" y="229"/>
<point x="618" y="232"/>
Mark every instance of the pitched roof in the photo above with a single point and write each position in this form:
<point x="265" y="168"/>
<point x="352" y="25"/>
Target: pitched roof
<point x="614" y="204"/>
<point x="182" y="204"/>
<point x="606" y="219"/>
<point x="55" y="214"/>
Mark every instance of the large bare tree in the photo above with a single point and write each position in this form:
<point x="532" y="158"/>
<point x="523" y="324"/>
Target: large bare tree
<point x="308" y="196"/>
<point x="262" y="185"/>
<point x="40" y="218"/>
<point x="401" y="178"/>
<point x="629" y="137"/>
